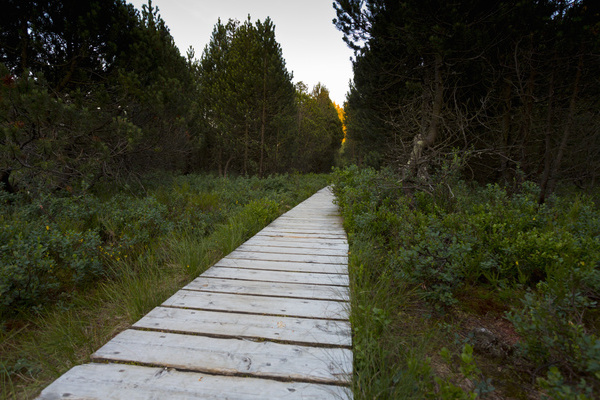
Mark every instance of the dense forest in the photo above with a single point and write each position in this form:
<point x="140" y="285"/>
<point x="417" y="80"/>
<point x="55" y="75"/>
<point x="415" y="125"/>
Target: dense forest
<point x="96" y="90"/>
<point x="510" y="85"/>
<point x="473" y="215"/>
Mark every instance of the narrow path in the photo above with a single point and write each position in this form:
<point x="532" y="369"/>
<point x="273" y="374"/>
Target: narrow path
<point x="269" y="321"/>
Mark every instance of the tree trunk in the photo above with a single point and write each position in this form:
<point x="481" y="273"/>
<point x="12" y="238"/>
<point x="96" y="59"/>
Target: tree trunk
<point x="246" y="145"/>
<point x="276" y="167"/>
<point x="547" y="141"/>
<point x="5" y="181"/>
<point x="506" y="128"/>
<point x="263" y="119"/>
<point x="527" y="97"/>
<point x="426" y="139"/>
<point x="528" y="117"/>
<point x="220" y="163"/>
<point x="24" y="44"/>
<point x="227" y="166"/>
<point x="568" y="126"/>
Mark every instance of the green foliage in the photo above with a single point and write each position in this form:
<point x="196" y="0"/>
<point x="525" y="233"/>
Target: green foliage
<point x="419" y="65"/>
<point x="144" y="247"/>
<point x="556" y="388"/>
<point x="51" y="246"/>
<point x="38" y="262"/>
<point x="319" y="130"/>
<point x="91" y="91"/>
<point x="247" y="97"/>
<point x="551" y="323"/>
<point x="440" y="241"/>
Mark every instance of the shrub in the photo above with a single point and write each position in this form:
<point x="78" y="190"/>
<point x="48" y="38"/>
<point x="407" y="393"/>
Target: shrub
<point x="40" y="262"/>
<point x="495" y="238"/>
<point x="54" y="243"/>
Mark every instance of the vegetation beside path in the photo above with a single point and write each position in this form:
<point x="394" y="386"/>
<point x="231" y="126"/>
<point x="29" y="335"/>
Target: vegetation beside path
<point x="76" y="270"/>
<point x="462" y="291"/>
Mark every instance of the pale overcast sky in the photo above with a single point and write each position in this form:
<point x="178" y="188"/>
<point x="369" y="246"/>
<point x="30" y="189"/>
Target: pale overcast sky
<point x="312" y="47"/>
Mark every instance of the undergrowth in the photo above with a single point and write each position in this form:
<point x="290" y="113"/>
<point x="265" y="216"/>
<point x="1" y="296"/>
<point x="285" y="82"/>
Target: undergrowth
<point x="77" y="269"/>
<point x="428" y="261"/>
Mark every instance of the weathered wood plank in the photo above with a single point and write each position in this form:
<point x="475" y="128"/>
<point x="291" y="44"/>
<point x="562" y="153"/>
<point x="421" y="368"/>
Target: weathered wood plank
<point x="313" y="268"/>
<point x="229" y="356"/>
<point x="305" y="244"/>
<point x="277" y="276"/>
<point x="296" y="227"/>
<point x="262" y="305"/>
<point x="305" y="258"/>
<point x="274" y="289"/>
<point x="330" y="222"/>
<point x="308" y="210"/>
<point x="131" y="382"/>
<point x="292" y="250"/>
<point x="315" y="232"/>
<point x="337" y="220"/>
<point x="325" y="226"/>
<point x="227" y="324"/>
<point x="288" y="235"/>
<point x="301" y="241"/>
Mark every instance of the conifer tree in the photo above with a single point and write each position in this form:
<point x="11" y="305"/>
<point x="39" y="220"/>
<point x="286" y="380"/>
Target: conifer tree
<point x="247" y="96"/>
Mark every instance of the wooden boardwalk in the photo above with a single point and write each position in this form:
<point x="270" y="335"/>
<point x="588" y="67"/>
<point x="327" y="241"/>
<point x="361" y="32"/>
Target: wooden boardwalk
<point x="269" y="321"/>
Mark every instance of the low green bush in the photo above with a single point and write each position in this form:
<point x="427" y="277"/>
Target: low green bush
<point x="52" y="244"/>
<point x="444" y="236"/>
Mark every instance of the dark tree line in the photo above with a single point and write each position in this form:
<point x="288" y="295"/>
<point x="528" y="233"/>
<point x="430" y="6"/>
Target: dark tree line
<point x="96" y="90"/>
<point x="257" y="121"/>
<point x="513" y="82"/>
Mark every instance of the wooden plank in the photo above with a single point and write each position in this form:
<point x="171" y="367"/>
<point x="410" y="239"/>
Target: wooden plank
<point x="293" y="235"/>
<point x="227" y="324"/>
<point x="325" y="226"/>
<point x="305" y="229"/>
<point x="274" y="289"/>
<point x="294" y="229"/>
<point x="332" y="216"/>
<point x="277" y="276"/>
<point x="301" y="241"/>
<point x="310" y="244"/>
<point x="292" y="250"/>
<point x="305" y="258"/>
<point x="315" y="209"/>
<point x="229" y="356"/>
<point x="322" y="309"/>
<point x="284" y="266"/>
<point x="132" y="382"/>
<point x="337" y="220"/>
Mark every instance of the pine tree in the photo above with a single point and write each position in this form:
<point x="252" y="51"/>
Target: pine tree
<point x="248" y="96"/>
